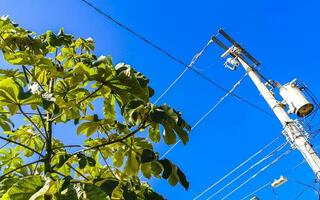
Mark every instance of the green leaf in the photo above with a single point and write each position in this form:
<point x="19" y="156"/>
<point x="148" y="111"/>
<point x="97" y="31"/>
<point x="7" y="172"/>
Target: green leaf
<point x="62" y="160"/>
<point x="9" y="91"/>
<point x="6" y="184"/>
<point x="118" y="158"/>
<point x="49" y="188"/>
<point x="109" y="107"/>
<point x="20" y="58"/>
<point x="173" y="178"/>
<point x="146" y="169"/>
<point x="156" y="168"/>
<point x="94" y="192"/>
<point x="182" y="179"/>
<point x="82" y="162"/>
<point x="167" y="168"/>
<point x="108" y="185"/>
<point x="154" y="132"/>
<point x="91" y="161"/>
<point x="132" y="164"/>
<point x="87" y="128"/>
<point x="24" y="188"/>
<point x="147" y="156"/>
<point x="169" y="135"/>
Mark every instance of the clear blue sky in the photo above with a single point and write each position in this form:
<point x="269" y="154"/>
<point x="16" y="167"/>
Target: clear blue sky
<point x="283" y="35"/>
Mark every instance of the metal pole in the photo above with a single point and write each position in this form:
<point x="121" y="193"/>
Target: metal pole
<point x="293" y="131"/>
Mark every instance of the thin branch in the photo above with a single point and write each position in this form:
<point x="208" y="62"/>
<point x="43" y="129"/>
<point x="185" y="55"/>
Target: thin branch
<point x="91" y="94"/>
<point x="28" y="113"/>
<point x="3" y="146"/>
<point x="56" y="117"/>
<point x="77" y="171"/>
<point x="82" y="100"/>
<point x="34" y="78"/>
<point x="110" y="142"/>
<point x="61" y="174"/>
<point x="70" y="146"/>
<point x="30" y="120"/>
<point x="26" y="165"/>
<point x="35" y="168"/>
<point x="25" y="69"/>
<point x="25" y="73"/>
<point x="17" y="143"/>
<point x="105" y="161"/>
<point x="42" y="120"/>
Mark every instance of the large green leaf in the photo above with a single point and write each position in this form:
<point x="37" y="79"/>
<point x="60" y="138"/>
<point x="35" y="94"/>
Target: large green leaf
<point x="173" y="173"/>
<point x="6" y="184"/>
<point x="20" y="58"/>
<point x="132" y="164"/>
<point x="9" y="91"/>
<point x="93" y="192"/>
<point x="108" y="185"/>
<point x="24" y="188"/>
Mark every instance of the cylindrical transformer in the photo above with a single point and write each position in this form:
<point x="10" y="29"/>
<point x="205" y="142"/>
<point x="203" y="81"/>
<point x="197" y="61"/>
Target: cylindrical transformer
<point x="295" y="99"/>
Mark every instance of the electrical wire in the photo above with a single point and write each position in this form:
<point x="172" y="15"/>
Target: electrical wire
<point x="193" y="61"/>
<point x="209" y="111"/>
<point x="279" y="148"/>
<point x="300" y="194"/>
<point x="291" y="170"/>
<point x="257" y="190"/>
<point x="237" y="167"/>
<point x="173" y="57"/>
<point x="256" y="174"/>
<point x="269" y="182"/>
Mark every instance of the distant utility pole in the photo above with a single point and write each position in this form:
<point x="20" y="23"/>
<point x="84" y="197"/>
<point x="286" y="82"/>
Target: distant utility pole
<point x="292" y="97"/>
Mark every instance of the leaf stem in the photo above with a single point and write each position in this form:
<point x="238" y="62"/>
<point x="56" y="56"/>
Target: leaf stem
<point x="30" y="120"/>
<point x="26" y="165"/>
<point x="91" y="94"/>
<point x="111" y="142"/>
<point x="83" y="176"/>
<point x="34" y="78"/>
<point x="27" y="113"/>
<point x="17" y="143"/>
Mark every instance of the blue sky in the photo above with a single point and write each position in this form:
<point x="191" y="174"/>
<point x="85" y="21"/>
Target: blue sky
<point x="283" y="35"/>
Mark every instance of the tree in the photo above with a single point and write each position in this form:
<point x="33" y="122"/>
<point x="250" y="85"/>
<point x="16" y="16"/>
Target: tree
<point x="56" y="80"/>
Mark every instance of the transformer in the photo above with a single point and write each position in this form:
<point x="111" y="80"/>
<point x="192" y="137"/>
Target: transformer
<point x="294" y="97"/>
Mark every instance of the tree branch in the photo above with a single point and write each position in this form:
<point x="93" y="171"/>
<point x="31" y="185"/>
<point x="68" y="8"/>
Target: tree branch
<point x="17" y="143"/>
<point x="82" y="100"/>
<point x="30" y="120"/>
<point x="105" y="161"/>
<point x="42" y="120"/>
<point x="28" y="113"/>
<point x="35" y="168"/>
<point x="111" y="142"/>
<point x="26" y="165"/>
<point x="77" y="171"/>
<point x="70" y="146"/>
<point x="91" y="94"/>
<point x="34" y="78"/>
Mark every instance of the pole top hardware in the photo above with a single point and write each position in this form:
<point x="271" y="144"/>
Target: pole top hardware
<point x="235" y="50"/>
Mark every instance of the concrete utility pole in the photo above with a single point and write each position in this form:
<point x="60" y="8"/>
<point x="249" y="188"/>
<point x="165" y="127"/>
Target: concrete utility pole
<point x="292" y="95"/>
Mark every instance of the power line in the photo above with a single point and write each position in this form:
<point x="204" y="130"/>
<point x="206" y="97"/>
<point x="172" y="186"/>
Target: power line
<point x="240" y="165"/>
<point x="256" y="174"/>
<point x="193" y="61"/>
<point x="300" y="194"/>
<point x="257" y="190"/>
<point x="172" y="57"/>
<point x="207" y="113"/>
<point x="286" y="172"/>
<point x="279" y="148"/>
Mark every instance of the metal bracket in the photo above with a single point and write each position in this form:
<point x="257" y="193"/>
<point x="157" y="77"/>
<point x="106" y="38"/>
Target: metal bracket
<point x="235" y="50"/>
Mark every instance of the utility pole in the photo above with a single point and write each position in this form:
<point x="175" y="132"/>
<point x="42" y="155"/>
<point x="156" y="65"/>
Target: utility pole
<point x="292" y="95"/>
